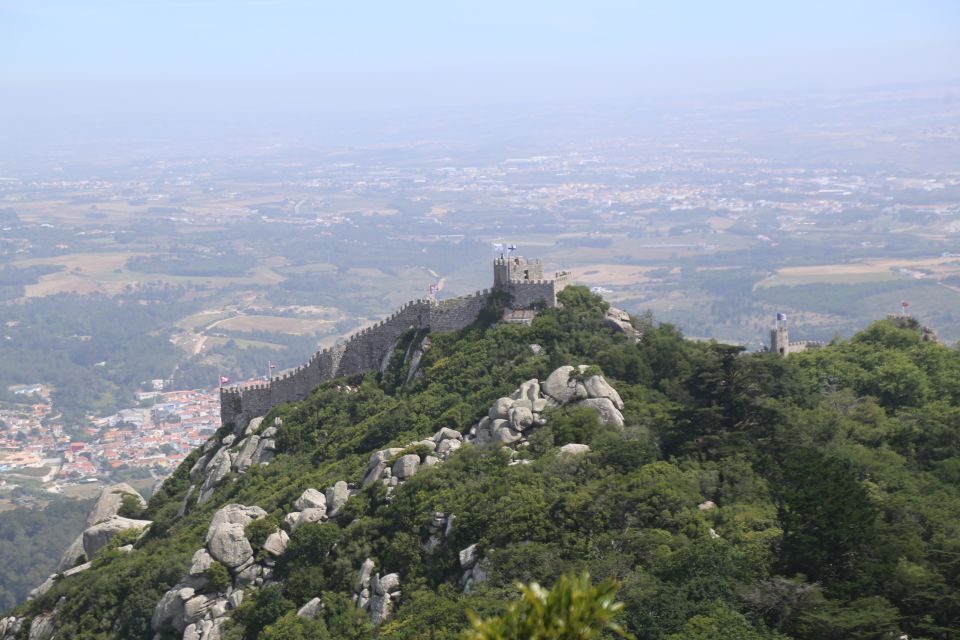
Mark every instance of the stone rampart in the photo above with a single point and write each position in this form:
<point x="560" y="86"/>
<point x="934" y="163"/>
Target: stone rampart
<point x="457" y="313"/>
<point x="369" y="349"/>
<point x="530" y="292"/>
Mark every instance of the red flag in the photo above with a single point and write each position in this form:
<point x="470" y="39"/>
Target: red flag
<point x="224" y="379"/>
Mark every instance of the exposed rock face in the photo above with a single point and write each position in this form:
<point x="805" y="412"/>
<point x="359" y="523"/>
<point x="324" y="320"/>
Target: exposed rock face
<point x="83" y="567"/>
<point x="574" y="449"/>
<point x="110" y="501"/>
<point x="316" y="514"/>
<point x="311" y="499"/>
<point x="468" y="557"/>
<point x="45" y="586"/>
<point x="561" y="388"/>
<point x="169" y="612"/>
<point x="619" y="320"/>
<point x="598" y="387"/>
<point x="608" y="412"/>
<point x="228" y="544"/>
<point x="473" y="572"/>
<point x="236" y="452"/>
<point x="235" y="514"/>
<point x="311" y="609"/>
<point x="215" y="471"/>
<point x="245" y="456"/>
<point x="510" y="420"/>
<point x="42" y="627"/>
<point x="336" y="497"/>
<point x="200" y="563"/>
<point x="225" y="538"/>
<point x="100" y="534"/>
<point x="384" y="592"/>
<point x="276" y="543"/>
<point x="10" y="627"/>
<point x="73" y="555"/>
<point x="406" y="466"/>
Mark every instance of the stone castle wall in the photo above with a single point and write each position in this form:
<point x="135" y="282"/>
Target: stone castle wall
<point x="369" y="349"/>
<point x="365" y="350"/>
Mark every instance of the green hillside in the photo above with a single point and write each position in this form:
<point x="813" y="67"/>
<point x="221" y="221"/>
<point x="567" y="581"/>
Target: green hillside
<point x="745" y="496"/>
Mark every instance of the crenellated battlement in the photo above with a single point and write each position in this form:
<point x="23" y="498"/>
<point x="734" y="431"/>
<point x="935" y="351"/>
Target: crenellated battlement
<point x="368" y="349"/>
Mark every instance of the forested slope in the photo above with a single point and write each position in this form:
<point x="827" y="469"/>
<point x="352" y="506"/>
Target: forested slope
<point x="31" y="540"/>
<point x="746" y="496"/>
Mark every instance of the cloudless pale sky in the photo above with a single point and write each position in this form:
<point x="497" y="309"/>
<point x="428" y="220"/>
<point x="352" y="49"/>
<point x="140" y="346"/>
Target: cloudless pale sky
<point x="101" y="56"/>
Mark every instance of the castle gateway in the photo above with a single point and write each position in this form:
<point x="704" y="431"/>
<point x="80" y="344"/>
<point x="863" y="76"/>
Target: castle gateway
<point x="369" y="349"/>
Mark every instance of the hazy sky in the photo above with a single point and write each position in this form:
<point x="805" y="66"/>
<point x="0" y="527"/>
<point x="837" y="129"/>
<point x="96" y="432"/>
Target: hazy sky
<point x="101" y="56"/>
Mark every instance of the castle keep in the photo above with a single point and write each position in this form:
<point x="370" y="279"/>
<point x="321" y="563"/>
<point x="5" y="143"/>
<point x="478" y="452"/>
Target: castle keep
<point x="369" y="349"/>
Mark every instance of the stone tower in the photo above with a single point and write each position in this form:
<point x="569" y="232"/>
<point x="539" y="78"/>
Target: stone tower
<point x="516" y="269"/>
<point x="780" y="339"/>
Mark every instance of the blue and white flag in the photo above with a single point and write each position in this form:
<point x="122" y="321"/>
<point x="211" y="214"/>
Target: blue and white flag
<point x="512" y="247"/>
<point x="781" y="317"/>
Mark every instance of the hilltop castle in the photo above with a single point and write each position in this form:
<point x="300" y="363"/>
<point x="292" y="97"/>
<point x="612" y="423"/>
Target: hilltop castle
<point x="780" y="341"/>
<point x="370" y="349"/>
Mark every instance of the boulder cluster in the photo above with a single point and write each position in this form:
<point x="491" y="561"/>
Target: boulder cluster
<point x="473" y="567"/>
<point x="440" y="527"/>
<point x="200" y="603"/>
<point x="619" y="320"/>
<point x="102" y="524"/>
<point x="236" y="453"/>
<point x="374" y="593"/>
<point x="510" y="418"/>
<point x="394" y="466"/>
<point x="196" y="607"/>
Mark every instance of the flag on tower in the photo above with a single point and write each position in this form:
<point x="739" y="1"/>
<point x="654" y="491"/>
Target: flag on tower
<point x="781" y="317"/>
<point x="272" y="365"/>
<point x="498" y="246"/>
<point x="224" y="380"/>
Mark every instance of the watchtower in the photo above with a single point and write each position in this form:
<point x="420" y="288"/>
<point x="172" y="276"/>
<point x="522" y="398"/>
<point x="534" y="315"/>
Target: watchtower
<point x="780" y="339"/>
<point x="516" y="269"/>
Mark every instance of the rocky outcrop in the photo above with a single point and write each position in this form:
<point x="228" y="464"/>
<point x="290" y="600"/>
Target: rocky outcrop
<point x="197" y="614"/>
<point x="511" y="419"/>
<point x="225" y="537"/>
<point x="110" y="500"/>
<point x="619" y="320"/>
<point x="472" y="566"/>
<point x="574" y="449"/>
<point x="312" y="507"/>
<point x="276" y="543"/>
<point x="107" y="506"/>
<point x="392" y="467"/>
<point x="188" y="607"/>
<point x="440" y="527"/>
<point x="228" y="545"/>
<point x="100" y="534"/>
<point x="73" y="555"/>
<point x="311" y="609"/>
<point x="10" y="627"/>
<point x="606" y="409"/>
<point x="235" y="452"/>
<point x="336" y="497"/>
<point x="375" y="594"/>
<point x="42" y="627"/>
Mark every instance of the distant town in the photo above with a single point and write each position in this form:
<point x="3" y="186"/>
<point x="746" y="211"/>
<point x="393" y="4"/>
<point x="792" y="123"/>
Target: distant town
<point x="145" y="441"/>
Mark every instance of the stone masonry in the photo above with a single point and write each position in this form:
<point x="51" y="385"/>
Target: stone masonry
<point x="368" y="349"/>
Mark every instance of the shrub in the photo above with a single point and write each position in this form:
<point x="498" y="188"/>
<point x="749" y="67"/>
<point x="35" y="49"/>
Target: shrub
<point x="219" y="577"/>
